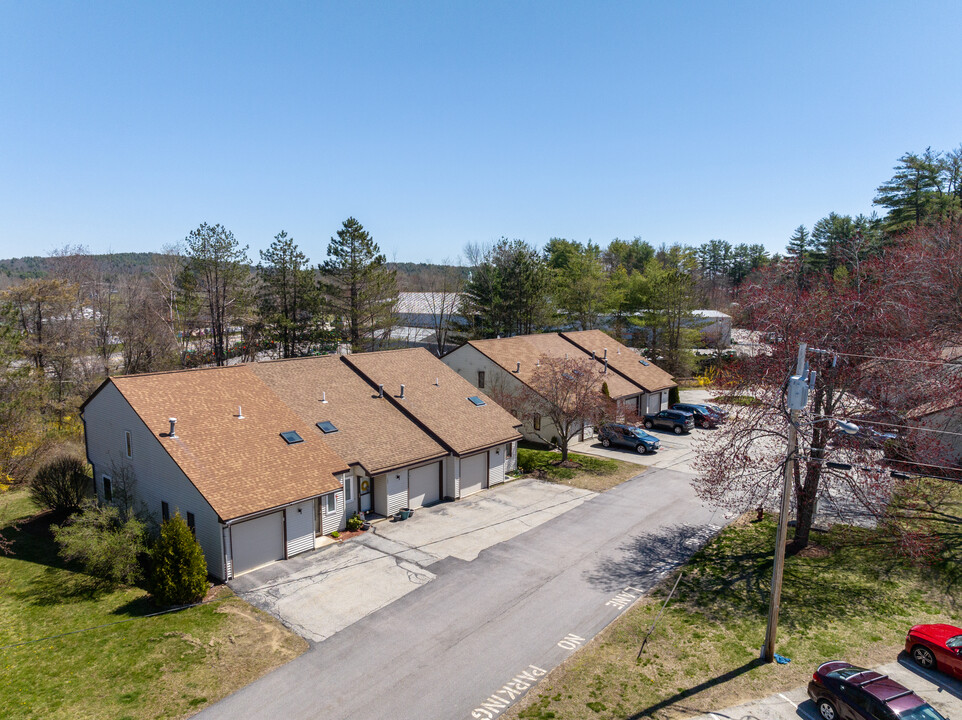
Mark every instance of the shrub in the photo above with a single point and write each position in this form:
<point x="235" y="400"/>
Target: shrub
<point x="106" y="547"/>
<point x="61" y="484"/>
<point x="673" y="396"/>
<point x="354" y="523"/>
<point x="179" y="571"/>
<point x="335" y="534"/>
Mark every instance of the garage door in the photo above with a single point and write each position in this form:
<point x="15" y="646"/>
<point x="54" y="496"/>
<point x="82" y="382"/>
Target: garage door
<point x="424" y="486"/>
<point x="474" y="473"/>
<point x="257" y="542"/>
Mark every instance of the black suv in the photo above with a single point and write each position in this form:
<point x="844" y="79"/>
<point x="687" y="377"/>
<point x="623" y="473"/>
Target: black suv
<point x="674" y="420"/>
<point x="842" y="691"/>
<point x="704" y="417"/>
<point x="629" y="436"/>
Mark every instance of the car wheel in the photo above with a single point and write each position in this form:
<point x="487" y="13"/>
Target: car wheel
<point x="606" y="442"/>
<point x="678" y="429"/>
<point x="648" y="424"/>
<point x="923" y="656"/>
<point x="640" y="449"/>
<point x="703" y="424"/>
<point x="826" y="710"/>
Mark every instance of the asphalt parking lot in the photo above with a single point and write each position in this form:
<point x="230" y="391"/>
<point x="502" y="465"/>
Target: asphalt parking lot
<point x="940" y="691"/>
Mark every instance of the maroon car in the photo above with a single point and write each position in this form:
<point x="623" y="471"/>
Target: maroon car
<point x="936" y="647"/>
<point x="842" y="691"/>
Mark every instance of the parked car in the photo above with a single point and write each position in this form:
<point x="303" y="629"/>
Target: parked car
<point x="718" y="410"/>
<point x="704" y="418"/>
<point x="674" y="420"/>
<point x="936" y="647"/>
<point x="842" y="691"/>
<point x="629" y="436"/>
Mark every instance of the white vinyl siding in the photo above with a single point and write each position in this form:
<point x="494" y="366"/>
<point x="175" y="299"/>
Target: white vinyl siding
<point x="474" y="473"/>
<point x="157" y="477"/>
<point x="300" y="527"/>
<point x="654" y="403"/>
<point x="496" y="466"/>
<point x="511" y="462"/>
<point x="258" y="542"/>
<point x="390" y="492"/>
<point x="424" y="485"/>
<point x="452" y="476"/>
<point x="331" y="521"/>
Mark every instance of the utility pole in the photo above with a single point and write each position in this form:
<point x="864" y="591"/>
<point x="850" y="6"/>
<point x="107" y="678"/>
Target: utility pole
<point x="797" y="399"/>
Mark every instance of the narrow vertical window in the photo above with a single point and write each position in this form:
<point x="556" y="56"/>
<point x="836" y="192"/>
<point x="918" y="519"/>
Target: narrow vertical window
<point x="348" y="489"/>
<point x="537" y="422"/>
<point x="164" y="511"/>
<point x="510" y="450"/>
<point x="108" y="496"/>
<point x="480" y="379"/>
<point x="127" y="442"/>
<point x="330" y="506"/>
<point x="190" y="524"/>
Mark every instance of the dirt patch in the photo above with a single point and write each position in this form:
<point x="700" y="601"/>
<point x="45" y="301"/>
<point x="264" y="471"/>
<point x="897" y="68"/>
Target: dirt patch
<point x="814" y="551"/>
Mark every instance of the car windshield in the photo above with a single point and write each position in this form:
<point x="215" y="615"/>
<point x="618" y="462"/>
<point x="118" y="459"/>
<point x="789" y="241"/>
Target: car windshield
<point x="921" y="712"/>
<point x="846" y="672"/>
<point x="954" y="642"/>
<point x="641" y="434"/>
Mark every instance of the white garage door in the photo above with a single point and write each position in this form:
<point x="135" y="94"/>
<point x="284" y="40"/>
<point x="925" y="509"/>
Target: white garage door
<point x="474" y="473"/>
<point x="257" y="542"/>
<point x="424" y="485"/>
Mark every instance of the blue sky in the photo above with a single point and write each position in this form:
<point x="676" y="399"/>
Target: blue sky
<point x="125" y="125"/>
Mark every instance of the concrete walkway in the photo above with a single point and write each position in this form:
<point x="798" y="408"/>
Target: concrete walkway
<point x="320" y="593"/>
<point x="940" y="691"/>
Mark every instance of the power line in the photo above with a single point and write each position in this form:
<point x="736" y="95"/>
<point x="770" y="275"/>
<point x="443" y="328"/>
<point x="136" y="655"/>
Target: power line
<point x="895" y="425"/>
<point x="895" y="359"/>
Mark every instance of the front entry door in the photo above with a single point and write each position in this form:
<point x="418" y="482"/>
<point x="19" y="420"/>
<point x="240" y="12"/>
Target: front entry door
<point x="364" y="494"/>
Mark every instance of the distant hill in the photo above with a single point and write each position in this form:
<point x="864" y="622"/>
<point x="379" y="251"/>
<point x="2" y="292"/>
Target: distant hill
<point x="411" y="276"/>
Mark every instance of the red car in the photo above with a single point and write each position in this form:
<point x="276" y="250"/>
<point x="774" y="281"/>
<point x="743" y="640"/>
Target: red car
<point x="936" y="646"/>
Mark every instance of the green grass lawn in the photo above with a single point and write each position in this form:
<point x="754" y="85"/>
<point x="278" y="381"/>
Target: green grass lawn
<point x="162" y="667"/>
<point x="848" y="597"/>
<point x="584" y="471"/>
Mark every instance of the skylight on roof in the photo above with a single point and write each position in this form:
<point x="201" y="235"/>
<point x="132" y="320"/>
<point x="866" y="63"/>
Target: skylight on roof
<point x="327" y="427"/>
<point x="291" y="437"/>
<point x="644" y="362"/>
<point x="476" y="400"/>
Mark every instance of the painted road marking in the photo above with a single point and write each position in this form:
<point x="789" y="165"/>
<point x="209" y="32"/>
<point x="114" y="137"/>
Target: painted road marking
<point x="502" y="698"/>
<point x="782" y="696"/>
<point x="571" y="641"/>
<point x="625" y="597"/>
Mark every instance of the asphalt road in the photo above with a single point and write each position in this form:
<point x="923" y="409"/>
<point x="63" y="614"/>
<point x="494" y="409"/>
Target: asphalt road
<point x="469" y="643"/>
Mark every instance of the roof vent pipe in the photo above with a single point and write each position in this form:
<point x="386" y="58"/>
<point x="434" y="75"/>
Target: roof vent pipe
<point x="173" y="421"/>
<point x="380" y="391"/>
<point x="606" y="365"/>
<point x="324" y="396"/>
<point x="402" y="391"/>
<point x="606" y="353"/>
<point x="437" y="382"/>
<point x="519" y="367"/>
<point x="593" y="355"/>
<point x="240" y="413"/>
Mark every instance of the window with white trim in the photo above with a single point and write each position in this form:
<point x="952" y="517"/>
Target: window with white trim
<point x="127" y="444"/>
<point x="330" y="503"/>
<point x="348" y="489"/>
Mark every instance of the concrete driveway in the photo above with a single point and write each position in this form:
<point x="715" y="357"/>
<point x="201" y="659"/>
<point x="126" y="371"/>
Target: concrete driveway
<point x="317" y="594"/>
<point x="940" y="691"/>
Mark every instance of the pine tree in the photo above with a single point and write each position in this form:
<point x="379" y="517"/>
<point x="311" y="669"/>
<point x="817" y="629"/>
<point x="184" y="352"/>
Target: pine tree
<point x="179" y="570"/>
<point x="799" y="251"/>
<point x="288" y="296"/>
<point x="358" y="288"/>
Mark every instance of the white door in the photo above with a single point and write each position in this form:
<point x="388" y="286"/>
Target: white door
<point x="654" y="403"/>
<point x="474" y="473"/>
<point x="496" y="466"/>
<point x="257" y="542"/>
<point x="424" y="485"/>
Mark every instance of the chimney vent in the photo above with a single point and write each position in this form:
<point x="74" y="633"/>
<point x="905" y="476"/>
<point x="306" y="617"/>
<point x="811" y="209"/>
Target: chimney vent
<point x="380" y="391"/>
<point x="402" y="391"/>
<point x="240" y="414"/>
<point x="173" y="422"/>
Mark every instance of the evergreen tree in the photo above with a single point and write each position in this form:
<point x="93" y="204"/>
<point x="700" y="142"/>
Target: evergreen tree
<point x="358" y="288"/>
<point x="924" y="189"/>
<point x="178" y="567"/>
<point x="288" y="296"/>
<point x="582" y="290"/>
<point x="217" y="266"/>
<point x="799" y="251"/>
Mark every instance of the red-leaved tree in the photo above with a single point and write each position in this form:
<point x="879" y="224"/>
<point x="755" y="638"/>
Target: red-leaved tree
<point x="901" y="305"/>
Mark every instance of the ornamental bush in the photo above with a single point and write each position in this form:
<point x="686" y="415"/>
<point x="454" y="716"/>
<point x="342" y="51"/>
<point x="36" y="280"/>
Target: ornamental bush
<point x="354" y="523"/>
<point x="178" y="567"/>
<point x="61" y="485"/>
<point x="107" y="547"/>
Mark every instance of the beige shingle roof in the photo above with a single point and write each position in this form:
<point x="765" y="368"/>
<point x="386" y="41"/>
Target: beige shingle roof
<point x="371" y="431"/>
<point x="444" y="409"/>
<point x="240" y="466"/>
<point x="622" y="358"/>
<point x="528" y="350"/>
